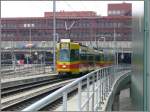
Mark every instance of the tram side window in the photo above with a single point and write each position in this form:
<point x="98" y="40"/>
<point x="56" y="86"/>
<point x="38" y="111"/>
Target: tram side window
<point x="110" y="58"/>
<point x="91" y="59"/>
<point x="97" y="58"/>
<point x="74" y="55"/>
<point x="106" y="57"/>
<point x="83" y="57"/>
<point x="102" y="58"/>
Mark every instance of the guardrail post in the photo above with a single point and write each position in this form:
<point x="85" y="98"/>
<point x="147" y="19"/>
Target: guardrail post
<point x="97" y="88"/>
<point x="79" y="96"/>
<point x="65" y="101"/>
<point x="109" y="79"/>
<point x="100" y="89"/>
<point x="114" y="70"/>
<point x="93" y="89"/>
<point x="102" y="92"/>
<point x="105" y="83"/>
<point x="111" y="75"/>
<point x="88" y="94"/>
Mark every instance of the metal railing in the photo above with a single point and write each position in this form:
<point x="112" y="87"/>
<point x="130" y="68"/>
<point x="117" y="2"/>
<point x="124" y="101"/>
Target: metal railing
<point x="94" y="86"/>
<point x="9" y="71"/>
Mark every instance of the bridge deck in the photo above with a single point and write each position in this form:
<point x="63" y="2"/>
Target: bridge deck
<point x="98" y="95"/>
<point x="125" y="102"/>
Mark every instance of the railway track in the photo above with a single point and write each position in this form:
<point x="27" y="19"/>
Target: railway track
<point x="17" y="98"/>
<point x="24" y="71"/>
<point x="56" y="104"/>
<point x="20" y="88"/>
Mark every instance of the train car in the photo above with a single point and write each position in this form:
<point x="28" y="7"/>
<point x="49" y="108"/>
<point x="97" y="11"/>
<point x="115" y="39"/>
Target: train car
<point x="74" y="58"/>
<point x="68" y="57"/>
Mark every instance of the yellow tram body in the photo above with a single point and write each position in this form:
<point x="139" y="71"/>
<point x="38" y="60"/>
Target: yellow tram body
<point x="74" y="58"/>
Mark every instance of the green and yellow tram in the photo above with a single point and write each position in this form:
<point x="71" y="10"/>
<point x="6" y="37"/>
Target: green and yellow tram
<point x="74" y="58"/>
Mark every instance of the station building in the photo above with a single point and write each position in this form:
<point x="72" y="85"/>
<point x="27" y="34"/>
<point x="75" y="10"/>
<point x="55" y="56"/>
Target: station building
<point x="83" y="26"/>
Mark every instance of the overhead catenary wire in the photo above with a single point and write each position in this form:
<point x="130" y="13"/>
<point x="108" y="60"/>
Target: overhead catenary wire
<point x="69" y="25"/>
<point x="82" y="2"/>
<point x="69" y="5"/>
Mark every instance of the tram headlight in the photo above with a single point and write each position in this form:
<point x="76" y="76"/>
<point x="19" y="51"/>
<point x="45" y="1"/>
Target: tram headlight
<point x="64" y="66"/>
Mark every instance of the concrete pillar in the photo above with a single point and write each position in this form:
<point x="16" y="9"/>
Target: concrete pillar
<point x="115" y="106"/>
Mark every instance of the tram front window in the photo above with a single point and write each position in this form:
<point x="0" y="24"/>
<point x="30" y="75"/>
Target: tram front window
<point x="64" y="55"/>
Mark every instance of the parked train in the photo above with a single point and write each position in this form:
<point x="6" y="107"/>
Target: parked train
<point x="74" y="58"/>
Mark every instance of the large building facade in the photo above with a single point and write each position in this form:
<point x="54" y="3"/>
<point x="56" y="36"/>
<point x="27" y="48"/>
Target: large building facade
<point x="124" y="9"/>
<point x="83" y="26"/>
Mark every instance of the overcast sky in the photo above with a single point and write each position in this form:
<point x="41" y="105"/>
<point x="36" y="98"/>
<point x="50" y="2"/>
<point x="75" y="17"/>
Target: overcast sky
<point x="37" y="8"/>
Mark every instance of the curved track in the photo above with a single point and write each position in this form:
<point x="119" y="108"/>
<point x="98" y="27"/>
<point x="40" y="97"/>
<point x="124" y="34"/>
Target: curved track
<point x="19" y="97"/>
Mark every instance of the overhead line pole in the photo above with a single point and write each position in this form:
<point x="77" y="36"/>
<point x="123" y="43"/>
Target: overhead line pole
<point x="0" y="45"/>
<point x="54" y="35"/>
<point x="115" y="49"/>
<point x="30" y="42"/>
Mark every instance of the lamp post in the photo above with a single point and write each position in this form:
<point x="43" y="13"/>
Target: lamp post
<point x="13" y="55"/>
<point x="30" y="42"/>
<point x="0" y="45"/>
<point x="57" y="35"/>
<point x="99" y="39"/>
<point x="36" y="60"/>
<point x="54" y="35"/>
<point x="96" y="45"/>
<point x="30" y="26"/>
<point x="122" y="55"/>
<point x="36" y="57"/>
<point x="115" y="49"/>
<point x="104" y="40"/>
<point x="44" y="55"/>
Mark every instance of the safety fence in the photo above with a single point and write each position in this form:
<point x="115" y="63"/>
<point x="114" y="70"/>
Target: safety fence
<point x="92" y="91"/>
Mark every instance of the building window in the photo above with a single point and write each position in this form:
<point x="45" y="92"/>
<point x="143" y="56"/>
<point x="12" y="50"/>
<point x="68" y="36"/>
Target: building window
<point x="118" y="12"/>
<point x="122" y="12"/>
<point x="1" y="26"/>
<point x="109" y="12"/>
<point x="28" y="25"/>
<point x="114" y="12"/>
<point x="4" y="34"/>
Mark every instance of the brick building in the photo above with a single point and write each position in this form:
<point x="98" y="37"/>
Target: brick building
<point x="71" y="14"/>
<point x="124" y="9"/>
<point x="86" y="26"/>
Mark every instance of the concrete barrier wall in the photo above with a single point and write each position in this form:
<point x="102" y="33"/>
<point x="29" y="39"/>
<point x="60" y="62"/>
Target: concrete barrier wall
<point x="123" y="82"/>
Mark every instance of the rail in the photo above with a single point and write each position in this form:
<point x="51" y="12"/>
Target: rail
<point x="10" y="70"/>
<point x="98" y="86"/>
